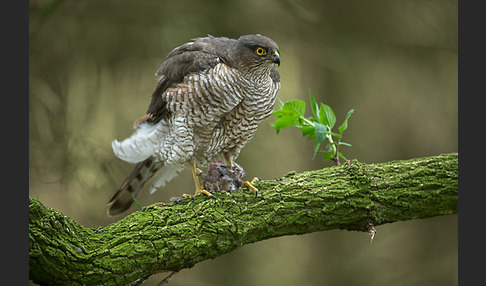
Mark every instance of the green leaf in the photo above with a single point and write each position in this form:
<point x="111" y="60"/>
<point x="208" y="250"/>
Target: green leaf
<point x="344" y="126"/>
<point x="280" y="112"/>
<point x="320" y="135"/>
<point x="285" y="121"/>
<point x="296" y="106"/>
<point x="308" y="130"/>
<point x="344" y="143"/>
<point x="341" y="156"/>
<point x="289" y="114"/>
<point x="292" y="113"/>
<point x="314" y="106"/>
<point x="327" y="116"/>
<point x="328" y="155"/>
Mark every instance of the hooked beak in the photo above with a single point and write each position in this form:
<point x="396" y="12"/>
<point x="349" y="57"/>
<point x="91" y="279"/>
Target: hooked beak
<point x="276" y="58"/>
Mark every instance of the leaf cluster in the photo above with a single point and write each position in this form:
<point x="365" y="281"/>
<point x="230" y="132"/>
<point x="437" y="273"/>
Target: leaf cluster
<point x="317" y="127"/>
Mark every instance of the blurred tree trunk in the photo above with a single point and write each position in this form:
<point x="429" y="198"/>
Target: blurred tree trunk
<point x="178" y="235"/>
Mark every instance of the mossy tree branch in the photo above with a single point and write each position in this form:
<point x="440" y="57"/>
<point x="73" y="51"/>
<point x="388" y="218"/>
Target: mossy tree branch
<point x="177" y="235"/>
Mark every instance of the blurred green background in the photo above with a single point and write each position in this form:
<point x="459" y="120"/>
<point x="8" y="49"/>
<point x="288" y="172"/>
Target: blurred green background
<point x="91" y="74"/>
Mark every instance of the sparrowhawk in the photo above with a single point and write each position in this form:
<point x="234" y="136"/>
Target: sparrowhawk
<point x="211" y="96"/>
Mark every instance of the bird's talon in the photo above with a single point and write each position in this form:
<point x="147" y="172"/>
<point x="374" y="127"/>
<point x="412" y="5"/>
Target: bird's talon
<point x="250" y="186"/>
<point x="187" y="196"/>
<point x="199" y="192"/>
<point x="202" y="191"/>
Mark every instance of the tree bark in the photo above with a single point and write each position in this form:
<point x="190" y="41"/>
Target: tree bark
<point x="177" y="235"/>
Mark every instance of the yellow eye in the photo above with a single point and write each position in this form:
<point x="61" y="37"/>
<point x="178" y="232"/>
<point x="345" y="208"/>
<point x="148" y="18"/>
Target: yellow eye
<point x="260" y="51"/>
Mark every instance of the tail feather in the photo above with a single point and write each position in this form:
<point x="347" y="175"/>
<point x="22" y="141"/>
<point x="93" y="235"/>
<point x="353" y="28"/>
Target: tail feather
<point x="167" y="173"/>
<point x="139" y="177"/>
<point x="140" y="146"/>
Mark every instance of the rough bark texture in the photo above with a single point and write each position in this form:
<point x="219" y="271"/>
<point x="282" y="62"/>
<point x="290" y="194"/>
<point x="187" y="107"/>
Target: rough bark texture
<point x="173" y="236"/>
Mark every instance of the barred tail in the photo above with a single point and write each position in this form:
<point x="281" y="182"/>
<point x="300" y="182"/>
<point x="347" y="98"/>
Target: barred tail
<point x="145" y="171"/>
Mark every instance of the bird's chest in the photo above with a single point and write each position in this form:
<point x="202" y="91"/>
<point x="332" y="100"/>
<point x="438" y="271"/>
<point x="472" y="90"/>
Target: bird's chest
<point x="233" y="129"/>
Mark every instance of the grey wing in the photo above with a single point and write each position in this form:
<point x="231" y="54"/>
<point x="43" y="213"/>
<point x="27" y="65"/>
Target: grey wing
<point x="201" y="54"/>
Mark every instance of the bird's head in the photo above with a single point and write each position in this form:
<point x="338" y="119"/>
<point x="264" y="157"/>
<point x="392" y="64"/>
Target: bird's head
<point x="257" y="51"/>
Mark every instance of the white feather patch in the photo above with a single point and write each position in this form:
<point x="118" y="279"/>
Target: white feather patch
<point x="166" y="173"/>
<point x="137" y="147"/>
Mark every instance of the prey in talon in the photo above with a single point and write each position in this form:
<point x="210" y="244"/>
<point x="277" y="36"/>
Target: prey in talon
<point x="221" y="177"/>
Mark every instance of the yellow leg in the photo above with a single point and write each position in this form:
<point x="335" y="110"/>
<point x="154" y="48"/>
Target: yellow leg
<point x="229" y="161"/>
<point x="199" y="189"/>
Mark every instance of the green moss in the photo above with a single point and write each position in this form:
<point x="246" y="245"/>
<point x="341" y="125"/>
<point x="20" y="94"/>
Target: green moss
<point x="178" y="235"/>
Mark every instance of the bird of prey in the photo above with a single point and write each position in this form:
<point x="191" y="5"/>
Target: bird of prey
<point x="211" y="95"/>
